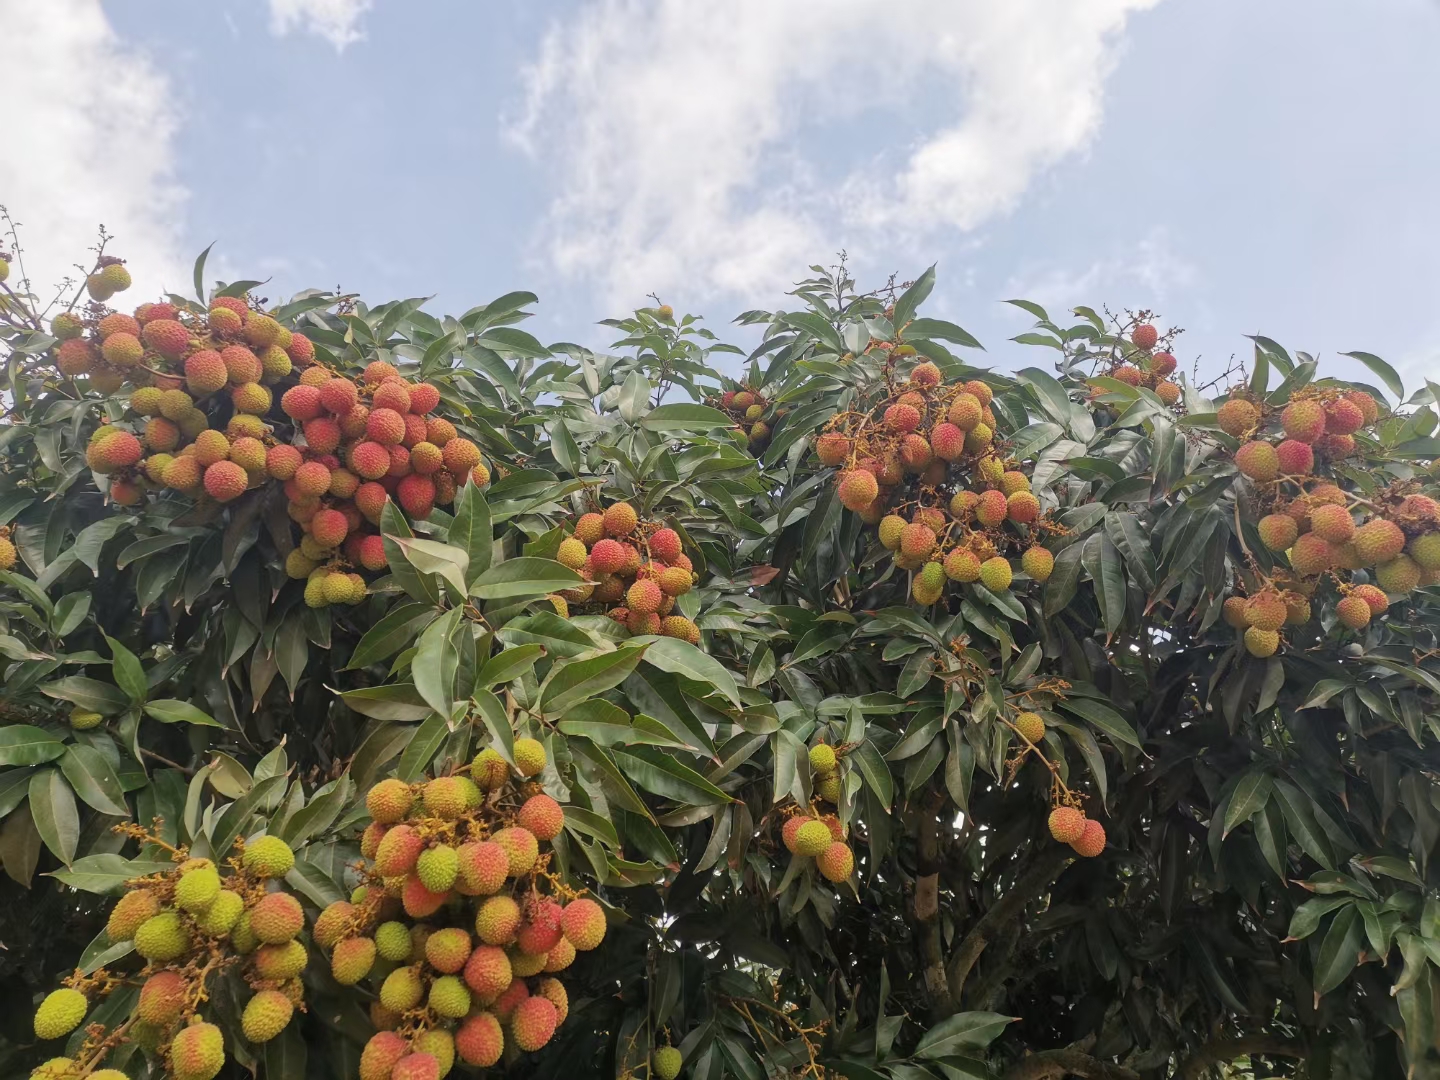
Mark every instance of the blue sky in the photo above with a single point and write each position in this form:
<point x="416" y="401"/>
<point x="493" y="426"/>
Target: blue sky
<point x="1242" y="167"/>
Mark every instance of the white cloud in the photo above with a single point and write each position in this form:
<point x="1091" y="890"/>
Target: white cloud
<point x="337" y="21"/>
<point x="88" y="141"/>
<point x="673" y="125"/>
<point x="1148" y="271"/>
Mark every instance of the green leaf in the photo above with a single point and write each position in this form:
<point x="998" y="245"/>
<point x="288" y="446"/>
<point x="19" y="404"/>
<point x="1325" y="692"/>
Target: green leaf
<point x="200" y="273"/>
<point x="509" y="664"/>
<point x="963" y="1031"/>
<point x="1103" y="717"/>
<point x="1340" y="950"/>
<point x="816" y="327"/>
<point x="939" y="330"/>
<point x="70" y="612"/>
<point x="634" y="396"/>
<point x="52" y="805"/>
<point x="1384" y="372"/>
<point x="394" y="701"/>
<point x="1250" y="796"/>
<point x="432" y="557"/>
<point x="573" y="681"/>
<point x="94" y="779"/>
<point x="435" y="662"/>
<point x="396" y="629"/>
<point x="911" y="299"/>
<point x="90" y="694"/>
<point x="170" y="711"/>
<point x="394" y="527"/>
<point x="524" y="576"/>
<point x="660" y="773"/>
<point x="21" y="744"/>
<point x="472" y="532"/>
<point x="107" y="873"/>
<point x="683" y="416"/>
<point x="682" y="658"/>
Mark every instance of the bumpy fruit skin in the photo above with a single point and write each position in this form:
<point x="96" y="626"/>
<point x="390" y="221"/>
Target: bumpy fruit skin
<point x="392" y="941"/>
<point x="130" y="911"/>
<point x="991" y="508"/>
<point x="488" y="971"/>
<point x="832" y="448"/>
<point x="1311" y="555"/>
<point x="890" y="530"/>
<point x="449" y="997"/>
<point x="520" y="846"/>
<point x="1066" y="824"/>
<point x="1265" y="610"/>
<point x="268" y="857"/>
<point x="665" y="1062"/>
<point x="402" y="989"/>
<point x="1144" y="336"/>
<point x="925" y="373"/>
<point x="529" y="756"/>
<point x="836" y="862"/>
<point x="962" y="564"/>
<point x="1091" y="841"/>
<point x="829" y="788"/>
<point x="995" y="574"/>
<point x="1031" y="726"/>
<point x="1303" y="420"/>
<point x="1425" y="550"/>
<point x="1038" y="562"/>
<point x="389" y="801"/>
<point x="917" y="541"/>
<point x="1378" y="602"/>
<point x="858" y="489"/>
<point x="1261" y="643"/>
<point x="542" y="815"/>
<point x="822" y="758"/>
<point x="161" y="937"/>
<point x="583" y="924"/>
<point x="266" y="1015"/>
<point x="162" y="998"/>
<point x="811" y="838"/>
<point x="60" y="1013"/>
<point x="1400" y="575"/>
<point x="1295" y="458"/>
<point x="167" y="337"/>
<point x="384" y="1049"/>
<point x="197" y="1052"/>
<point x="1023" y="507"/>
<point x="448" y="949"/>
<point x="196" y="890"/>
<point x="352" y="959"/>
<point x="1258" y="461"/>
<point x="437" y="868"/>
<point x="69" y="1068"/>
<point x="225" y="481"/>
<point x="1333" y="523"/>
<point x="491" y="771"/>
<point x="497" y="921"/>
<point x="1378" y="541"/>
<point x="1237" y="416"/>
<point x="1353" y="612"/>
<point x="480" y="1040"/>
<point x="533" y="1023"/>
<point x="928" y="585"/>
<point x="277" y="918"/>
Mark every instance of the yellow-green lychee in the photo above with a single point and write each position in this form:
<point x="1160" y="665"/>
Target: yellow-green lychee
<point x="162" y="937"/>
<point x="268" y="857"/>
<point x="665" y="1061"/>
<point x="220" y="917"/>
<point x="822" y="759"/>
<point x="266" y="1015"/>
<point x="60" y="1013"/>
<point x="197" y="1052"/>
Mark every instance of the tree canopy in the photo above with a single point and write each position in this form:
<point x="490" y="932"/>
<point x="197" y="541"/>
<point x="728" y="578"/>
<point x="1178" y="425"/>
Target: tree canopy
<point x="840" y="707"/>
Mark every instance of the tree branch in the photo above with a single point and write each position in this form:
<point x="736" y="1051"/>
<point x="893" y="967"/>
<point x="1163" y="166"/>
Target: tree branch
<point x="927" y="914"/>
<point x="1055" y="1064"/>
<point x="1220" y="1050"/>
<point x="1047" y="868"/>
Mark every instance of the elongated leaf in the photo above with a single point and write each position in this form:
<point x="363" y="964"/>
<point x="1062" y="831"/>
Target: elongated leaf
<point x="52" y="805"/>
<point x="524" y="576"/>
<point x="1103" y="717"/>
<point x="963" y="1031"/>
<point x="432" y="557"/>
<point x="509" y="664"/>
<point x="399" y="627"/>
<point x="1340" y="950"/>
<point x="107" y="873"/>
<point x="472" y="532"/>
<point x="1384" y="371"/>
<point x="661" y="774"/>
<point x="576" y="680"/>
<point x="435" y="662"/>
<point x="1249" y="797"/>
<point x="91" y="694"/>
<point x="684" y="659"/>
<point x="683" y="416"/>
<point x="21" y="744"/>
<point x="93" y="778"/>
<point x="170" y="711"/>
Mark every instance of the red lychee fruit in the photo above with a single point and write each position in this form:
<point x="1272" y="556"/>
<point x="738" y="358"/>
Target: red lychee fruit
<point x="370" y="500"/>
<point x="1303" y="420"/>
<point x="1334" y="523"/>
<point x="416" y="495"/>
<point x="1378" y="541"/>
<point x="925" y="374"/>
<point x="385" y="426"/>
<point x="665" y="545"/>
<point x="832" y="448"/>
<point x="1343" y="417"/>
<point x="858" y="488"/>
<point x="461" y="455"/>
<point x="1237" y="416"/>
<point x="1295" y="458"/>
<point x="947" y="441"/>
<point x="1311" y="555"/>
<point x="414" y="430"/>
<point x="902" y="418"/>
<point x="1162" y="364"/>
<point x="1067" y="824"/>
<point x="1091" y="842"/>
<point x="377" y="371"/>
<point x="225" y="480"/>
<point x="167" y="337"/>
<point x="1258" y="461"/>
<point x="312" y="478"/>
<point x="302" y="403"/>
<point x="370" y="460"/>
<point x="1144" y="336"/>
<point x="1278" y="531"/>
<point x="915" y="452"/>
<point x="392" y="394"/>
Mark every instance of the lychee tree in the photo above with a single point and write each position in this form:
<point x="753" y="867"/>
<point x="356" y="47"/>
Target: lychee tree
<point x="927" y="722"/>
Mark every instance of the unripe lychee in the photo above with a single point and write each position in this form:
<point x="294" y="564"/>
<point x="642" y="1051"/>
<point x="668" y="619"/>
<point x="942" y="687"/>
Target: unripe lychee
<point x="858" y="489"/>
<point x="1091" y="841"/>
<point x="995" y="574"/>
<point x="665" y="1062"/>
<point x="1038" y="562"/>
<point x="811" y="838"/>
<point x="402" y="989"/>
<point x="123" y="350"/>
<point x="277" y="918"/>
<point x="677" y="626"/>
<point x="1378" y="541"/>
<point x="1031" y="726"/>
<point x="75" y="357"/>
<point x="60" y="1013"/>
<point x="381" y="1054"/>
<point x="266" y="1015"/>
<point x="167" y="337"/>
<point x="497" y="921"/>
<point x="965" y="412"/>
<point x="449" y="997"/>
<point x="520" y="846"/>
<point x="529" y="756"/>
<point x="1311" y="555"/>
<point x="448" y="949"/>
<point x="1023" y="507"/>
<point x="1265" y="610"/>
<point x="444" y="797"/>
<point x="962" y="564"/>
<point x="130" y="911"/>
<point x="1237" y="416"/>
<point x="490" y="771"/>
<point x="928" y="585"/>
<point x="917" y="541"/>
<point x="197" y="889"/>
<point x="332" y="923"/>
<point x="992" y="508"/>
<point x="822" y="758"/>
<point x="832" y="448"/>
<point x="1399" y="575"/>
<point x="162" y="937"/>
<point x="268" y="857"/>
<point x="1258" y="461"/>
<point x="1278" y="531"/>
<point x="1333" y="523"/>
<point x="1425" y="550"/>
<point x="197" y="1052"/>
<point x="1303" y="420"/>
<point x="1261" y="643"/>
<point x="251" y="398"/>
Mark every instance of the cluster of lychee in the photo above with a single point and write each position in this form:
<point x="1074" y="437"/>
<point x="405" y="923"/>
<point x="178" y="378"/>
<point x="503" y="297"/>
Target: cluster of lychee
<point x="808" y="834"/>
<point x="747" y="407"/>
<point x="922" y="465"/>
<point x="1394" y="537"/>
<point x="634" y="570"/>
<point x="1318" y="425"/>
<point x="1069" y="825"/>
<point x="458" y="926"/>
<point x="190" y="925"/>
<point x="1146" y="364"/>
<point x="352" y="446"/>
